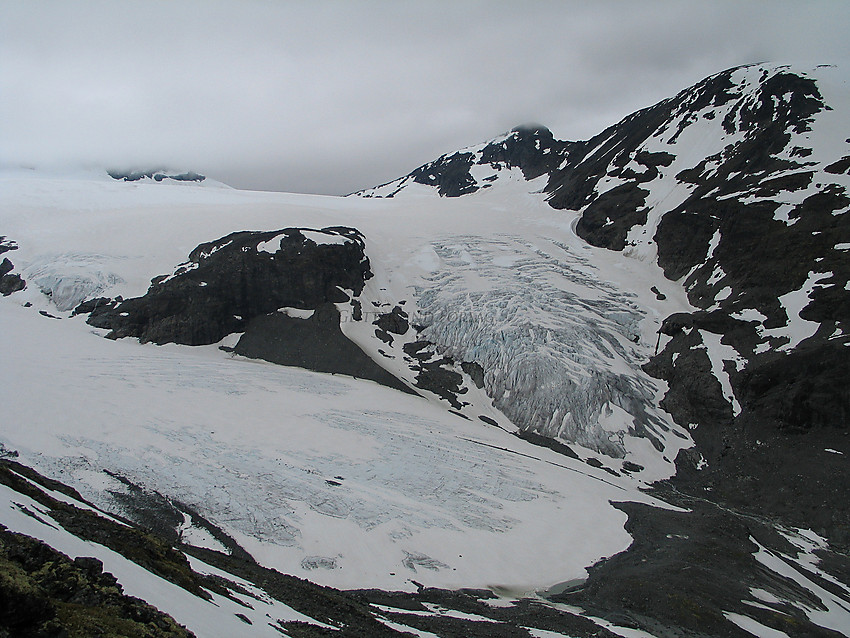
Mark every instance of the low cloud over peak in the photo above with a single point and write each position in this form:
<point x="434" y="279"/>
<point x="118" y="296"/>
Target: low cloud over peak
<point x="330" y="97"/>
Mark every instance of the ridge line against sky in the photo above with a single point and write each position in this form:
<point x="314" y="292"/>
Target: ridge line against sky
<point x="330" y="96"/>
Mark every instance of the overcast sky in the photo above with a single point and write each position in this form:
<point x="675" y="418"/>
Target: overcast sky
<point x="330" y="97"/>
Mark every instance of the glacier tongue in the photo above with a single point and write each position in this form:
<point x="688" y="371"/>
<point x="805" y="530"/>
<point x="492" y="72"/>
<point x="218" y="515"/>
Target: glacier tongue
<point x="557" y="343"/>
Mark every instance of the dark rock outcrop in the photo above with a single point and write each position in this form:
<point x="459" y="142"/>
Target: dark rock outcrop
<point x="240" y="282"/>
<point x="394" y="322"/>
<point x="435" y="373"/>
<point x="45" y="593"/>
<point x="450" y="174"/>
<point x="228" y="282"/>
<point x="9" y="281"/>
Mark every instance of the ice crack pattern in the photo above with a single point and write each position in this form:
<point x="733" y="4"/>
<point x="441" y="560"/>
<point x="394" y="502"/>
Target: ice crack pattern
<point x="385" y="470"/>
<point x="557" y="343"/>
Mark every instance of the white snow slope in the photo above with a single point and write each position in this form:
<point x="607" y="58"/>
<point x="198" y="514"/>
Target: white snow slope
<point x="416" y="492"/>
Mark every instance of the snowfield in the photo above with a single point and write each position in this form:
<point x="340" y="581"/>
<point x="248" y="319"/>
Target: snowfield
<point x="331" y="478"/>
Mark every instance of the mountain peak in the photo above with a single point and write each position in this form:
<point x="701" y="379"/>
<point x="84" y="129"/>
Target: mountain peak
<point x="530" y="148"/>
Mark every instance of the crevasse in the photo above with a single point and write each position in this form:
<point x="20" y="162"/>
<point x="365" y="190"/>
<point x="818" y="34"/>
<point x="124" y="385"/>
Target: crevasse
<point x="556" y="342"/>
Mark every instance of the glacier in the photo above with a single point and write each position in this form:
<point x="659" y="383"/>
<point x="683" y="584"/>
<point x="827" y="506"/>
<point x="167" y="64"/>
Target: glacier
<point x="420" y="487"/>
<point x="556" y="342"/>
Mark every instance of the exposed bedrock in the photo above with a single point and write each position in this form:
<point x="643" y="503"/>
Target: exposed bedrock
<point x="278" y="288"/>
<point x="9" y="281"/>
<point x="228" y="282"/>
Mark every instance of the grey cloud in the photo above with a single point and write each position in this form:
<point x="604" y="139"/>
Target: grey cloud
<point x="333" y="96"/>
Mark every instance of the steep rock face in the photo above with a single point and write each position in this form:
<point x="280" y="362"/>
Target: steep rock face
<point x="744" y="227"/>
<point x="755" y="227"/>
<point x="228" y="282"/>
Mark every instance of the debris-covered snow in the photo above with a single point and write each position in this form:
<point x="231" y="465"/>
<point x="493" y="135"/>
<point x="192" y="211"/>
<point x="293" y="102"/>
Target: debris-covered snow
<point x="832" y="611"/>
